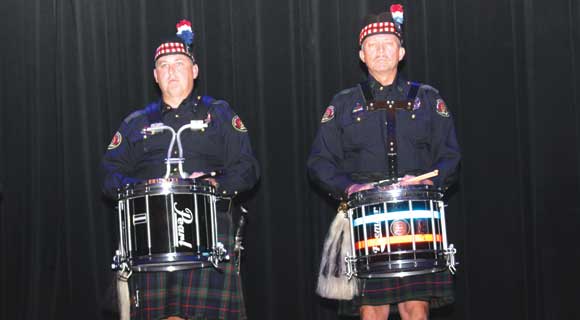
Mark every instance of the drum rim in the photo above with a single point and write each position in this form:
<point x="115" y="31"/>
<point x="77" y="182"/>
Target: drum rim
<point x="400" y="193"/>
<point x="162" y="186"/>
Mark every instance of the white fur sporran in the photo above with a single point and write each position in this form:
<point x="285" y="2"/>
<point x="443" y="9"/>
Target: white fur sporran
<point x="332" y="280"/>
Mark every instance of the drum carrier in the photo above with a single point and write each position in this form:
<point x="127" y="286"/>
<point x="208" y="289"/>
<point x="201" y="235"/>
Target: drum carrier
<point x="170" y="223"/>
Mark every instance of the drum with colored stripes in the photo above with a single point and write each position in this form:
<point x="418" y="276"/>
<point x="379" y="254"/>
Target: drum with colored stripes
<point x="398" y="231"/>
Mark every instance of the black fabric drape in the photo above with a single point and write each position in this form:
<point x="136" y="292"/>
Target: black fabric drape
<point x="509" y="71"/>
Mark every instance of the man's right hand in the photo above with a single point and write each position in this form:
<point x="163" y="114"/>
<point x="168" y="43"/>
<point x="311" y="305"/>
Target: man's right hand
<point x="359" y="187"/>
<point x="196" y="175"/>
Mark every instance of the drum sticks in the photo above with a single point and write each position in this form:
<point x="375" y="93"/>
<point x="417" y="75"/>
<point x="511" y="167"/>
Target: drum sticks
<point x="427" y="175"/>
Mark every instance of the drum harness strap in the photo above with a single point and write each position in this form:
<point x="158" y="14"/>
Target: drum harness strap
<point x="238" y="246"/>
<point x="390" y="106"/>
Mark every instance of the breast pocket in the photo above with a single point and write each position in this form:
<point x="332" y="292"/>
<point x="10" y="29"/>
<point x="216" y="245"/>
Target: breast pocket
<point x="360" y="130"/>
<point x="154" y="144"/>
<point x="207" y="144"/>
<point x="416" y="129"/>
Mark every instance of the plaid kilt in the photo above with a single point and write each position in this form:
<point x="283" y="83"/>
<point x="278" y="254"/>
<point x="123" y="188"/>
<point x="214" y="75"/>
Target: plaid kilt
<point x="191" y="294"/>
<point x="436" y="288"/>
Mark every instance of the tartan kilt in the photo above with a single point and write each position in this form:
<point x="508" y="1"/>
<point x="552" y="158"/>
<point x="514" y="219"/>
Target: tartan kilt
<point x="435" y="288"/>
<point x="192" y="294"/>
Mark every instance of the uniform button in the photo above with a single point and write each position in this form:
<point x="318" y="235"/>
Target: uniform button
<point x="392" y="149"/>
<point x="174" y="169"/>
<point x="358" y="119"/>
<point x="381" y="88"/>
<point x="177" y="116"/>
<point x="224" y="192"/>
<point x="386" y="123"/>
<point x="392" y="143"/>
<point x="413" y="116"/>
<point x="235" y="192"/>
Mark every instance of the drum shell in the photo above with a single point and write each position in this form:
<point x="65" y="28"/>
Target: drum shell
<point x="167" y="225"/>
<point x="398" y="231"/>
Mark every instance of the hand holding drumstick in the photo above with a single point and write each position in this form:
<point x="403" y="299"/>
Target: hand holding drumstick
<point x="405" y="181"/>
<point x="422" y="179"/>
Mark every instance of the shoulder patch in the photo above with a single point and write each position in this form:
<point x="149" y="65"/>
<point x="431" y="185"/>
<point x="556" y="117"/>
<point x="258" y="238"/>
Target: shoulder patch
<point x="328" y="114"/>
<point x="238" y="124"/>
<point x="116" y="141"/>
<point x="441" y="108"/>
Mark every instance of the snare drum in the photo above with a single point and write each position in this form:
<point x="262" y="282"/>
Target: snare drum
<point x="398" y="232"/>
<point x="167" y="225"/>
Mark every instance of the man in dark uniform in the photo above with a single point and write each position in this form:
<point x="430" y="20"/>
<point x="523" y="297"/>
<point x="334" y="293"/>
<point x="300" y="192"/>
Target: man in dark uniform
<point x="358" y="144"/>
<point x="223" y="147"/>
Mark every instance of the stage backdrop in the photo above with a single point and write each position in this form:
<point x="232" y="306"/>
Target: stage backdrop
<point x="509" y="71"/>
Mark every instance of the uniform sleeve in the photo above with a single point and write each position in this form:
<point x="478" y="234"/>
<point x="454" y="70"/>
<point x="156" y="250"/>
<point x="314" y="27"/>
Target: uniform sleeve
<point x="327" y="155"/>
<point x="241" y="170"/>
<point x="445" y="148"/>
<point x="118" y="163"/>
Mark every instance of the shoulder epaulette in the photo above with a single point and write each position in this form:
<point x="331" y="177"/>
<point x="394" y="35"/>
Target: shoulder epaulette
<point x="207" y="100"/>
<point x="150" y="110"/>
<point x="426" y="87"/>
<point x="347" y="91"/>
<point x="134" y="115"/>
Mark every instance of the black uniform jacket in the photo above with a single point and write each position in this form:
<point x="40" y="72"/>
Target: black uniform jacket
<point x="223" y="146"/>
<point x="352" y="141"/>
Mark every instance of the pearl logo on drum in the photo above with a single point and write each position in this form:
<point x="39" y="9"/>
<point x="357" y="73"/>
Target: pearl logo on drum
<point x="183" y="217"/>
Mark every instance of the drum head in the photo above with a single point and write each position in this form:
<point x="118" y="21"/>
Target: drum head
<point x="166" y="186"/>
<point x="395" y="193"/>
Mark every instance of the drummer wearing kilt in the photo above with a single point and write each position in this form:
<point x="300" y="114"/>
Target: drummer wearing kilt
<point x="381" y="135"/>
<point x="216" y="156"/>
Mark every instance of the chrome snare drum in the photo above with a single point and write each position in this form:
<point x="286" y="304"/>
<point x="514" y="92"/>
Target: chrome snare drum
<point x="398" y="232"/>
<point x="167" y="225"/>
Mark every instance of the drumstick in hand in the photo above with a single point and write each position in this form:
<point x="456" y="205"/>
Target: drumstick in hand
<point x="427" y="175"/>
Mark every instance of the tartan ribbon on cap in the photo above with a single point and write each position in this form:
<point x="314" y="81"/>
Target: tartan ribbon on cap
<point x="384" y="23"/>
<point x="181" y="44"/>
<point x="169" y="48"/>
<point x="377" y="27"/>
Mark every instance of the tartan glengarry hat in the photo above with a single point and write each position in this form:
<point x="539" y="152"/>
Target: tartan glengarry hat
<point x="385" y="22"/>
<point x="181" y="43"/>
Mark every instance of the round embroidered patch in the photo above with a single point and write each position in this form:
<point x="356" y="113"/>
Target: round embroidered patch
<point x="442" y="108"/>
<point x="116" y="141"/>
<point x="238" y="124"/>
<point x="328" y="114"/>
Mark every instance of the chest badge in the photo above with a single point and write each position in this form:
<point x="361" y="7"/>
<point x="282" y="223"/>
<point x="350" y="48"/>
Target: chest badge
<point x="328" y="114"/>
<point x="357" y="108"/>
<point x="207" y="120"/>
<point x="238" y="124"/>
<point x="416" y="104"/>
<point x="116" y="141"/>
<point x="442" y="108"/>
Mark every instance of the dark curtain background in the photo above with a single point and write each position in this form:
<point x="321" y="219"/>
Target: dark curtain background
<point x="509" y="71"/>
